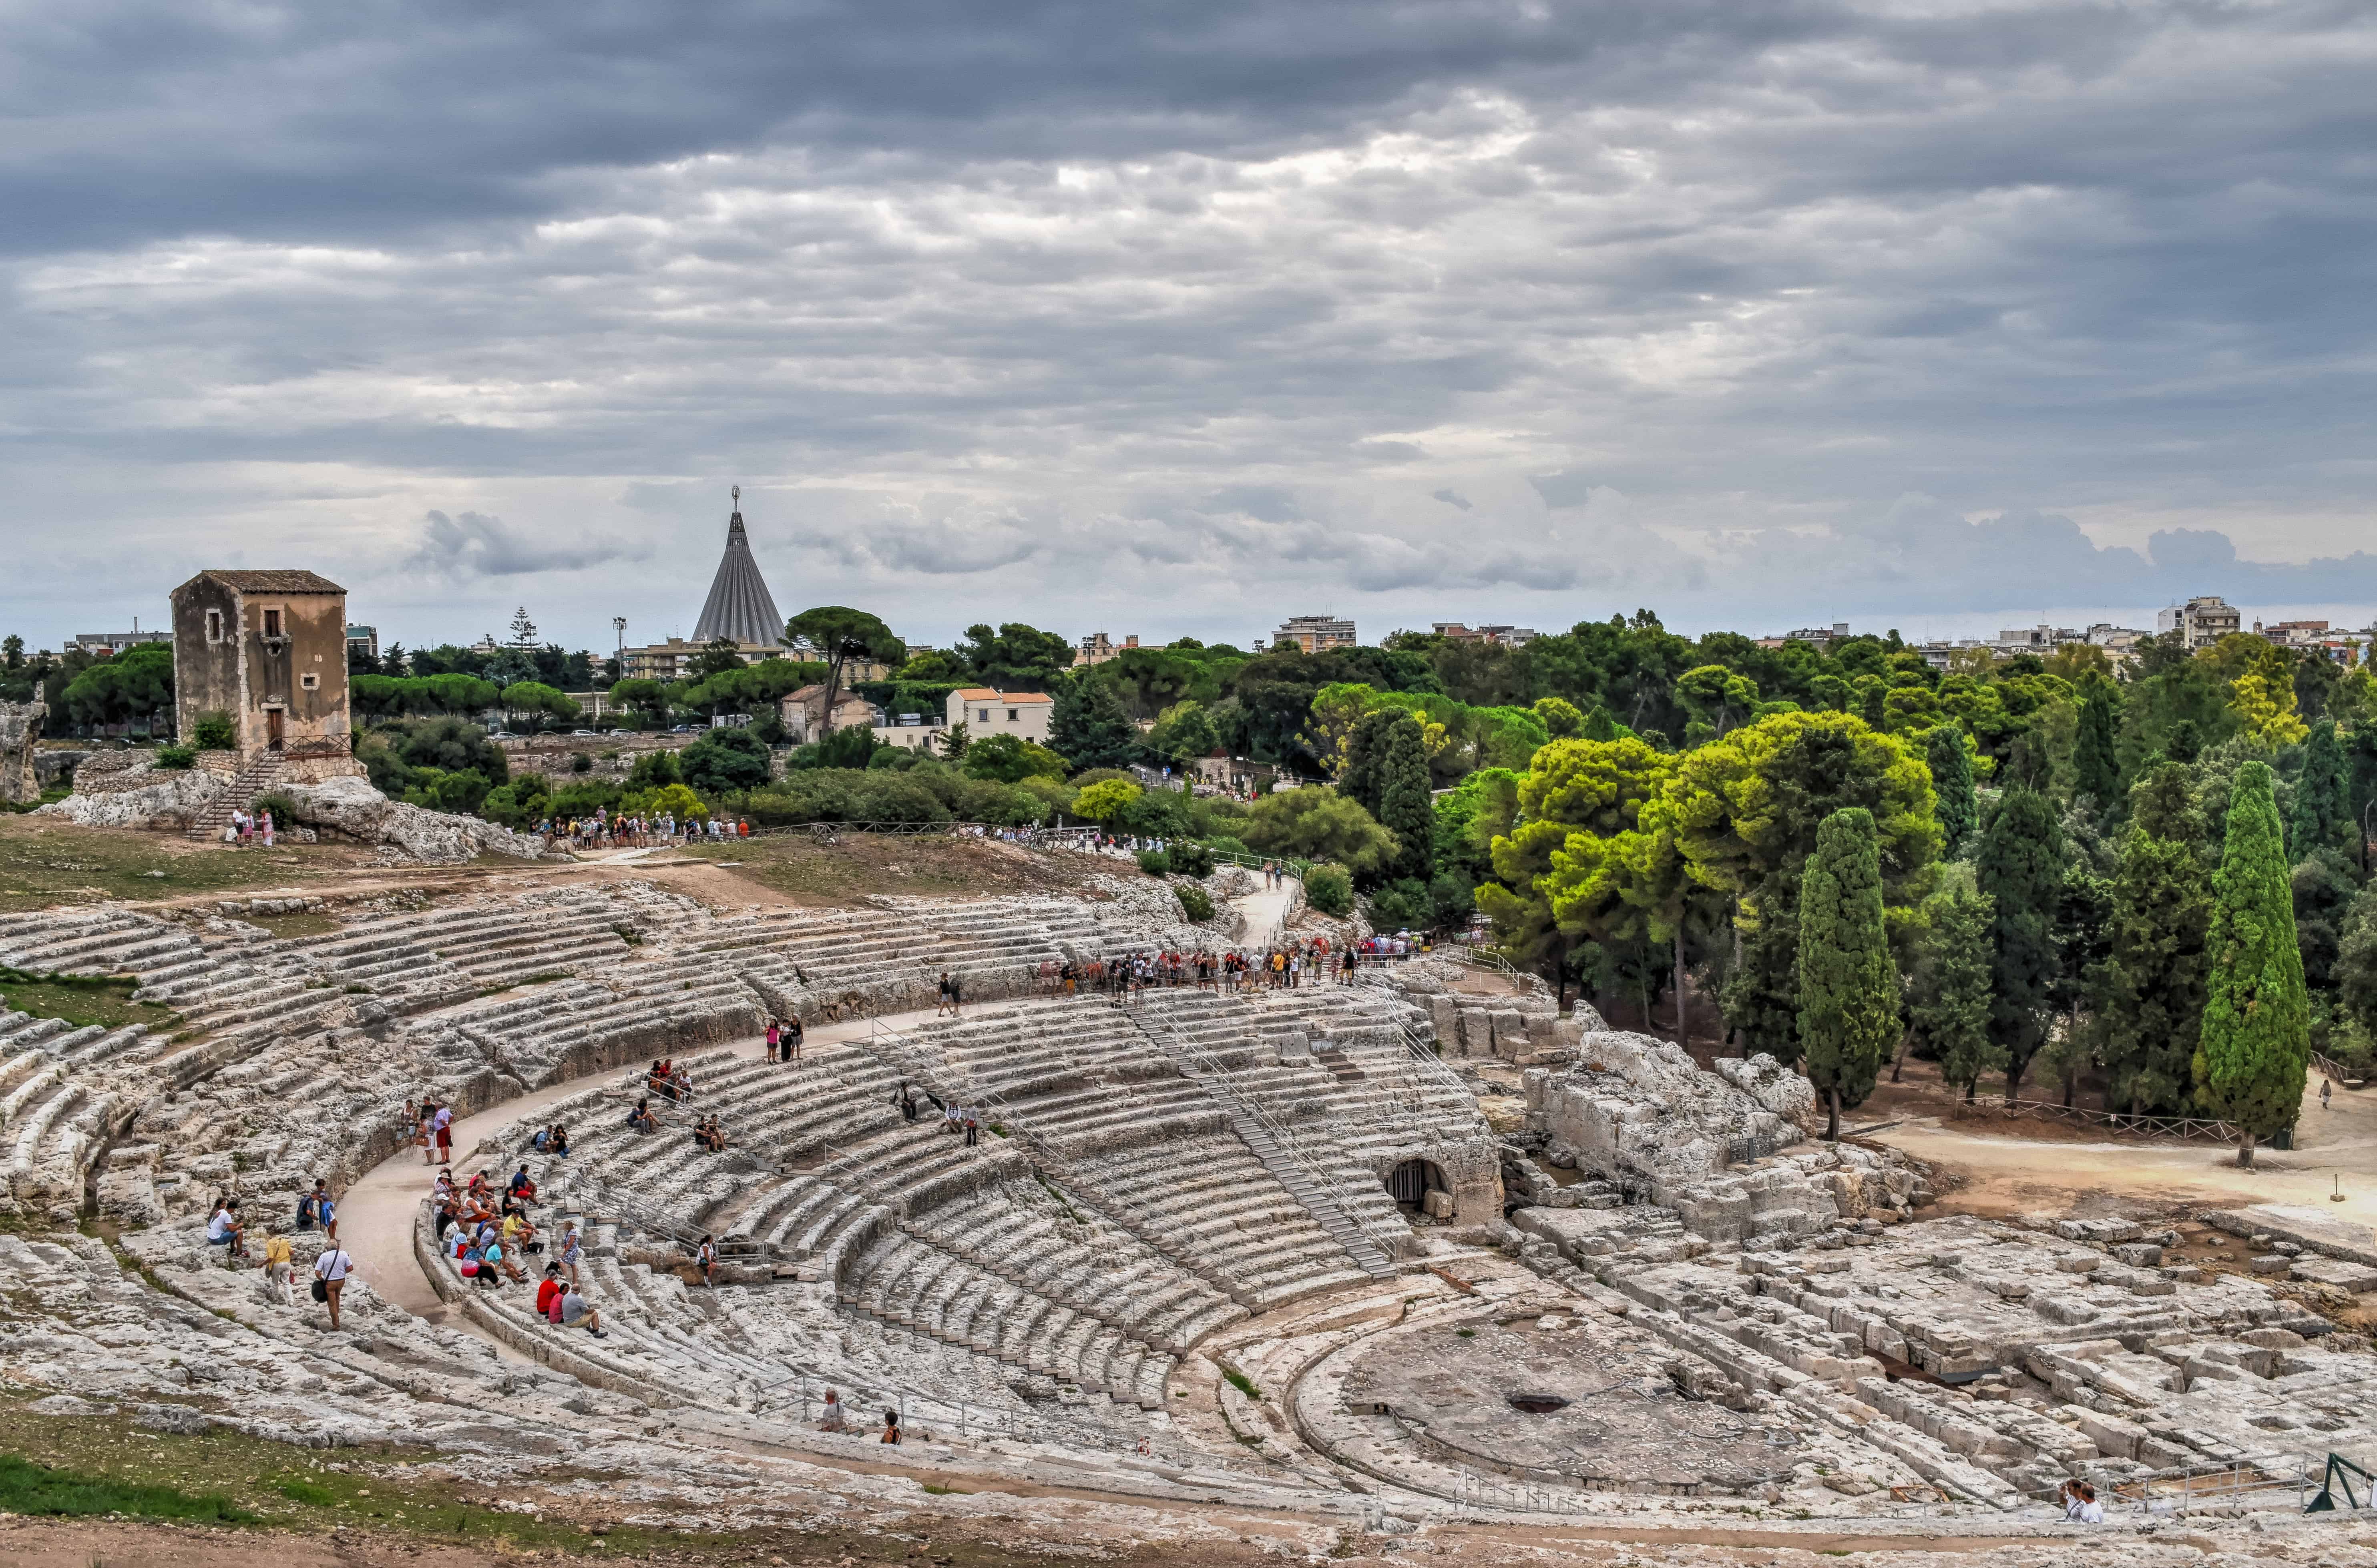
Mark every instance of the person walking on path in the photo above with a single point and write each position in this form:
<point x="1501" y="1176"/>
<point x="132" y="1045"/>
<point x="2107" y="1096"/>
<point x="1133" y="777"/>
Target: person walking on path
<point x="330" y="1272"/>
<point x="774" y="1035"/>
<point x="276" y="1273"/>
<point x="706" y="1259"/>
<point x="442" y="1125"/>
<point x="793" y="1038"/>
<point x="941" y="1000"/>
<point x="570" y="1252"/>
<point x="2326" y="1087"/>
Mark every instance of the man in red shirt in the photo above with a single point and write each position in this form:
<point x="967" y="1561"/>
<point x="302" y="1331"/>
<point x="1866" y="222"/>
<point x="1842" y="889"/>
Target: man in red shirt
<point x="546" y="1291"/>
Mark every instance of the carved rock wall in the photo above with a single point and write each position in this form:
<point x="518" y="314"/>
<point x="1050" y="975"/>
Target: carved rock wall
<point x="20" y="726"/>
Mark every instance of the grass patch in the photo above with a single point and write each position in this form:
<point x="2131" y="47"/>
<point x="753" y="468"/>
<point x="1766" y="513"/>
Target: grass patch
<point x="46" y="862"/>
<point x="1243" y="1383"/>
<point x="26" y="1488"/>
<point x="946" y="1490"/>
<point x="297" y="1490"/>
<point x="1465" y="1333"/>
<point x="82" y="1000"/>
<point x="858" y="863"/>
<point x="304" y="923"/>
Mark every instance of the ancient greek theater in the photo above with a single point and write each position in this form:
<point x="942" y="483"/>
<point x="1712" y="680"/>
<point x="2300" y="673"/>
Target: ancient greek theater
<point x="1414" y="1263"/>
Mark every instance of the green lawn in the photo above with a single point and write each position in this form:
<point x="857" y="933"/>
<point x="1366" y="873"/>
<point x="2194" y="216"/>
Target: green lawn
<point x="107" y="1002"/>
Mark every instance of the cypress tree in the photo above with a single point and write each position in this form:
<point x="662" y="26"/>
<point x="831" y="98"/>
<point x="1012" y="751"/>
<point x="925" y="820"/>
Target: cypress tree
<point x="2096" y="769"/>
<point x="1848" y="988"/>
<point x="2148" y="995"/>
<point x="1365" y="751"/>
<point x="2020" y="865"/>
<point x="1405" y="807"/>
<point x="1952" y="777"/>
<point x="1950" y="1001"/>
<point x="2254" y="1048"/>
<point x="2321" y="815"/>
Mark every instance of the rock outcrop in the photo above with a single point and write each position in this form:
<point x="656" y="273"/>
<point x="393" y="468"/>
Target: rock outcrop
<point x="352" y="807"/>
<point x="129" y="790"/>
<point x="20" y="726"/>
<point x="1640" y="1113"/>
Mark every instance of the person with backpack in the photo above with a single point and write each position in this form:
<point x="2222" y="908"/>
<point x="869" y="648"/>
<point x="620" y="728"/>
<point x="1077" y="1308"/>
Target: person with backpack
<point x="705" y="1259"/>
<point x="330" y="1272"/>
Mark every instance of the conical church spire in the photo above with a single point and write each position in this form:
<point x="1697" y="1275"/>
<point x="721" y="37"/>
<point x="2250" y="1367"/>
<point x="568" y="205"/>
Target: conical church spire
<point x="739" y="608"/>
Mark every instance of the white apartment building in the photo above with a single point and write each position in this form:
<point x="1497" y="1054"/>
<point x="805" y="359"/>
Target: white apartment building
<point x="2202" y="621"/>
<point x="985" y="712"/>
<point x="1313" y="633"/>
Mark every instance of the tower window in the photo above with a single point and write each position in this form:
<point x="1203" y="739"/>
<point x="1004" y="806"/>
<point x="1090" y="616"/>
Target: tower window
<point x="214" y="626"/>
<point x="273" y="623"/>
<point x="311" y="683"/>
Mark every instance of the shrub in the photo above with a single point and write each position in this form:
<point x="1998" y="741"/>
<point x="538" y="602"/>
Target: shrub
<point x="177" y="757"/>
<point x="724" y="760"/>
<point x="284" y="809"/>
<point x="1105" y="801"/>
<point x="214" y="732"/>
<point x="1011" y="758"/>
<point x="844" y="794"/>
<point x="1330" y="889"/>
<point x="1192" y="858"/>
<point x="397" y="755"/>
<point x="581" y="762"/>
<point x="654" y="769"/>
<point x="1155" y="863"/>
<point x="852" y="746"/>
<point x="1401" y="905"/>
<point x="517" y="804"/>
<point x="1195" y="902"/>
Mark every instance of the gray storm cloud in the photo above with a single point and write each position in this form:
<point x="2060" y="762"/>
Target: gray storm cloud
<point x="1223" y="310"/>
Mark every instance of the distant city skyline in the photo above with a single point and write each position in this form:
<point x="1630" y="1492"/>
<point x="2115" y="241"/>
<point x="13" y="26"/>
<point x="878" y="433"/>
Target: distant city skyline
<point x="1753" y="315"/>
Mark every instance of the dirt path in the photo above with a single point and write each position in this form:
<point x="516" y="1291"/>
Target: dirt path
<point x="2007" y="1168"/>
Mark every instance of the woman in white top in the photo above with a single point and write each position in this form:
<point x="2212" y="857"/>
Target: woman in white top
<point x="332" y="1268"/>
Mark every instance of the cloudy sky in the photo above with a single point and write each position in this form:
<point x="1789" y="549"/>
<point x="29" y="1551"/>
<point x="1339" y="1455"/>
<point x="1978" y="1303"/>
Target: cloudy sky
<point x="1177" y="319"/>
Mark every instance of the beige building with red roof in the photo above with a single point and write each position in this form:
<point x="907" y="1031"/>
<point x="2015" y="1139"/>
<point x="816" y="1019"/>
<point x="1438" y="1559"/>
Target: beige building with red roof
<point x="1025" y="715"/>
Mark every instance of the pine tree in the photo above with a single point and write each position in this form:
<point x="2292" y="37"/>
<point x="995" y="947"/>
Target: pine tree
<point x="1848" y="987"/>
<point x="2148" y="997"/>
<point x="2020" y="865"/>
<point x="2255" y="1046"/>
<point x="2096" y="769"/>
<point x="1952" y="775"/>
<point x="1950" y="1000"/>
<point x="1599" y="725"/>
<point x="2321" y="815"/>
<point x="1089" y="728"/>
<point x="1405" y="807"/>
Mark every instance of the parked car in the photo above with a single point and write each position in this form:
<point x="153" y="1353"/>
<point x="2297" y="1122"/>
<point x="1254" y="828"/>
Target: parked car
<point x="594" y="732"/>
<point x="682" y="729"/>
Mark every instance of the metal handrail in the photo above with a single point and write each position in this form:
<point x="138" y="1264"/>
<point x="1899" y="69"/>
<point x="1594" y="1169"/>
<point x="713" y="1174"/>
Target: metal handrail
<point x="1217" y="1077"/>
